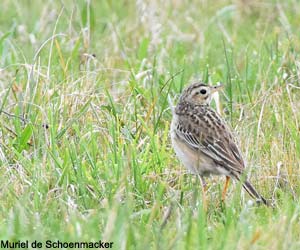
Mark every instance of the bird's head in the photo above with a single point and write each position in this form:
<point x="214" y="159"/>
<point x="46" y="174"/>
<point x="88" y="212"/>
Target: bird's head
<point x="199" y="93"/>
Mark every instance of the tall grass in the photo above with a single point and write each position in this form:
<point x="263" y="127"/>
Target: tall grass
<point x="85" y="151"/>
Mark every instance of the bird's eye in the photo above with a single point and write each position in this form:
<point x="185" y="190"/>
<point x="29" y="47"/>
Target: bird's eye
<point x="203" y="91"/>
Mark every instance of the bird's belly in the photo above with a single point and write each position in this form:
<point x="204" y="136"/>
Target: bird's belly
<point x="196" y="162"/>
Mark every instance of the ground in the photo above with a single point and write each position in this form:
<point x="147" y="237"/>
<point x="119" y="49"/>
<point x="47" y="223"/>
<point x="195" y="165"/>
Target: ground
<point x="85" y="152"/>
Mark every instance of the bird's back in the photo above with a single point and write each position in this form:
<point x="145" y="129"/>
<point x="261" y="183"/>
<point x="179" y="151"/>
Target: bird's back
<point x="202" y="129"/>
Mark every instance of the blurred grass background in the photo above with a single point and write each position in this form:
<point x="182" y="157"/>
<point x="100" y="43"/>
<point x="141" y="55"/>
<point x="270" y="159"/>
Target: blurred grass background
<point x="85" y="151"/>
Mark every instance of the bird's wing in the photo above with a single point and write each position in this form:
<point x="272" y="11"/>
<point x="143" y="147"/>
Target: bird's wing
<point x="219" y="146"/>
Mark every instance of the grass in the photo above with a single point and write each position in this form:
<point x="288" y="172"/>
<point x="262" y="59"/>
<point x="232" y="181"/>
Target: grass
<point x="85" y="151"/>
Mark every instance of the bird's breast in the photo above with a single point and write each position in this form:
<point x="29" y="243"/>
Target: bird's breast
<point x="194" y="160"/>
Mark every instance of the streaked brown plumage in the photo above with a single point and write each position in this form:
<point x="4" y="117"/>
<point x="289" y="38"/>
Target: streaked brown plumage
<point x="203" y="141"/>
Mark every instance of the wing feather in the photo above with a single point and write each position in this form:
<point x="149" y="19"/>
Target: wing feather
<point x="218" y="146"/>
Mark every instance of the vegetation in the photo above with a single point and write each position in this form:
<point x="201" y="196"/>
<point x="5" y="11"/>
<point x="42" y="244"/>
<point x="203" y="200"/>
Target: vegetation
<point x="85" y="151"/>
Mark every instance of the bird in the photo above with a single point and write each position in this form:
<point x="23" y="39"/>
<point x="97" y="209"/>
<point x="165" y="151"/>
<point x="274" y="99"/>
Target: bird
<point x="203" y="141"/>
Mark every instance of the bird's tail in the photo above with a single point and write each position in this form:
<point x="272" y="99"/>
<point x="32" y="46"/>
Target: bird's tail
<point x="253" y="193"/>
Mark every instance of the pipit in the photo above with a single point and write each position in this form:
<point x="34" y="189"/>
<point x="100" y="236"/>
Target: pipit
<point x="203" y="141"/>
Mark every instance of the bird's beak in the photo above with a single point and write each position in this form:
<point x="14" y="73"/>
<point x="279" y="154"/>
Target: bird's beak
<point x="217" y="88"/>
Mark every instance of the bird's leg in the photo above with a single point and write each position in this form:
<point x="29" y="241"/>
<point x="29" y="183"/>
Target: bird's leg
<point x="204" y="189"/>
<point x="225" y="188"/>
